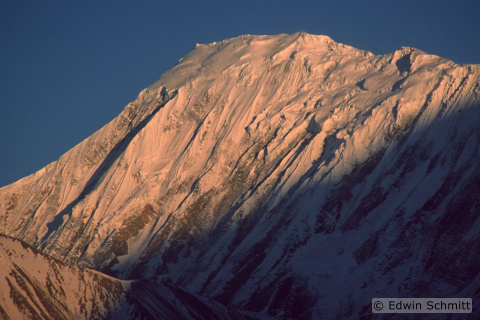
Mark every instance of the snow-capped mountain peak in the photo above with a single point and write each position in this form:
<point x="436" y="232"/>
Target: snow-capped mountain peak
<point x="265" y="170"/>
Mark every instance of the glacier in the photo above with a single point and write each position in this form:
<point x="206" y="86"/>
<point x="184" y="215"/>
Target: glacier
<point x="287" y="176"/>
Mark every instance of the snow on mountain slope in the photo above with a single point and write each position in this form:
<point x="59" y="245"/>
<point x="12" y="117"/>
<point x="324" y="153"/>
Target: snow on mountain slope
<point x="36" y="286"/>
<point x="263" y="171"/>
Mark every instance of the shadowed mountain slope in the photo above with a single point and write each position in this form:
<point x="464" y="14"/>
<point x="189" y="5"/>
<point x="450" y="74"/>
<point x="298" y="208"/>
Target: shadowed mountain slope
<point x="287" y="175"/>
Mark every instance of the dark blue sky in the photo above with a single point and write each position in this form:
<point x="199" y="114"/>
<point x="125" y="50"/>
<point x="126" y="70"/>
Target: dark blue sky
<point x="69" y="67"/>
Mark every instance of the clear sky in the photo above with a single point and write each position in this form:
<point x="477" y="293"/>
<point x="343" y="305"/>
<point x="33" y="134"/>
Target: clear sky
<point x="69" y="67"/>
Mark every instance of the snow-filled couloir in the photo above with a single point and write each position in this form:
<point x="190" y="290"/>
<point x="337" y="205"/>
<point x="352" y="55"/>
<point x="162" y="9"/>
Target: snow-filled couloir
<point x="288" y="175"/>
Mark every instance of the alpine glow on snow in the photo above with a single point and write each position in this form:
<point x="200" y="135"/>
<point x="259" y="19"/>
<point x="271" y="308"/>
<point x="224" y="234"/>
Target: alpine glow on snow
<point x="285" y="176"/>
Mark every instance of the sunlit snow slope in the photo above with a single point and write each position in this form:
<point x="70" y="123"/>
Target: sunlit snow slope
<point x="288" y="175"/>
<point x="36" y="286"/>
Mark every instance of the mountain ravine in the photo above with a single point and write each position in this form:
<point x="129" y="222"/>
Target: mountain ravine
<point x="287" y="176"/>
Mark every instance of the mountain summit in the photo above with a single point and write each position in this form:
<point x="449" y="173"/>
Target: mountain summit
<point x="286" y="175"/>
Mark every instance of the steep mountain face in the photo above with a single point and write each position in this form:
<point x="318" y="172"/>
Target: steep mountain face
<point x="288" y="175"/>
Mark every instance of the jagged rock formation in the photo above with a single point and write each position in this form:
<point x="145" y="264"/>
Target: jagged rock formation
<point x="263" y="171"/>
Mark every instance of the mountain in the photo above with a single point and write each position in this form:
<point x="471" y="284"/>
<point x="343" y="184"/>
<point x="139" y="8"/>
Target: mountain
<point x="36" y="286"/>
<point x="287" y="175"/>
